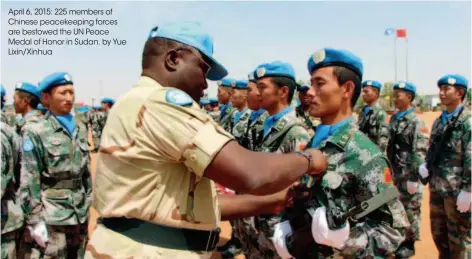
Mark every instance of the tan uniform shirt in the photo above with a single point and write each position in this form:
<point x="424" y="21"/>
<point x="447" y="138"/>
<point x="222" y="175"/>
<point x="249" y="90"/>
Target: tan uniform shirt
<point x="153" y="156"/>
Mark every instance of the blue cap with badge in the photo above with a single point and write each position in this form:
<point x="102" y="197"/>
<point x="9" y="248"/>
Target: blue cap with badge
<point x="4" y="91"/>
<point x="454" y="80"/>
<point x="55" y="79"/>
<point x="328" y="57"/>
<point x="107" y="100"/>
<point x="226" y="82"/>
<point x="97" y="107"/>
<point x="275" y="69"/>
<point x="405" y="86"/>
<point x="192" y="34"/>
<point x="240" y="84"/>
<point x="213" y="101"/>
<point x="373" y="83"/>
<point x="302" y="88"/>
<point x="28" y="88"/>
<point x="204" y="102"/>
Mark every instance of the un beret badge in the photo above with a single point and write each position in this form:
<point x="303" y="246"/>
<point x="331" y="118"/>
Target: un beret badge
<point x="233" y="84"/>
<point x="261" y="72"/>
<point x="369" y="83"/>
<point x="451" y="81"/>
<point x="219" y="83"/>
<point x="401" y="85"/>
<point x="67" y="77"/>
<point x="319" y="56"/>
<point x="18" y="85"/>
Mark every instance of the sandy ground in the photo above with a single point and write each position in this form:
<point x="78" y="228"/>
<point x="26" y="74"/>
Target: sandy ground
<point x="425" y="249"/>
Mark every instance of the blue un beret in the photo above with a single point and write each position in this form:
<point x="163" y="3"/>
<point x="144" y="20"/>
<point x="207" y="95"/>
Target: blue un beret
<point x="55" y="79"/>
<point x="303" y="87"/>
<point x="28" y="88"/>
<point x="83" y="109"/>
<point x="4" y="92"/>
<point x="213" y="100"/>
<point x="335" y="57"/>
<point x="204" y="102"/>
<point x="372" y="83"/>
<point x="97" y="107"/>
<point x="240" y="84"/>
<point x="405" y="86"/>
<point x="454" y="80"/>
<point x="42" y="108"/>
<point x="192" y="34"/>
<point x="226" y="82"/>
<point x="275" y="69"/>
<point x="107" y="100"/>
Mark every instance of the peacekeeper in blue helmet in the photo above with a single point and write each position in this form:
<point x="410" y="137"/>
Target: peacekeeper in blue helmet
<point x="154" y="186"/>
<point x="26" y="100"/>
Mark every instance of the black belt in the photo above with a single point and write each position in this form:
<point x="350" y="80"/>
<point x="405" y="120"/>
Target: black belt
<point x="164" y="236"/>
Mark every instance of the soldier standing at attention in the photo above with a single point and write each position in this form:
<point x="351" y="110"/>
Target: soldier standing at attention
<point x="12" y="213"/>
<point x="226" y="108"/>
<point x="26" y="100"/>
<point x="95" y="121"/>
<point x="448" y="170"/>
<point x="373" y="119"/>
<point x="214" y="109"/>
<point x="407" y="151"/>
<point x="56" y="186"/>
<point x="241" y="116"/>
<point x="154" y="185"/>
<point x="283" y="133"/>
<point x="353" y="210"/>
<point x="303" y="110"/>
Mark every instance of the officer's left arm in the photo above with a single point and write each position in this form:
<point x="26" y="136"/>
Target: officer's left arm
<point x="380" y="232"/>
<point x="420" y="147"/>
<point x="382" y="130"/>
<point x="466" y="150"/>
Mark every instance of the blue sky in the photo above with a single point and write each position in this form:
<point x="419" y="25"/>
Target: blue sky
<point x="247" y="34"/>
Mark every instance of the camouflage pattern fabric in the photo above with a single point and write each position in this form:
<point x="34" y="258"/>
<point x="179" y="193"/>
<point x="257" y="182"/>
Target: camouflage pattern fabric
<point x="33" y="115"/>
<point x="240" y="127"/>
<point x="374" y="124"/>
<point x="450" y="172"/>
<point x="98" y="121"/>
<point x="357" y="171"/>
<point x="286" y="136"/>
<point x="226" y="118"/>
<point x="407" y="151"/>
<point x="11" y="244"/>
<point x="309" y="122"/>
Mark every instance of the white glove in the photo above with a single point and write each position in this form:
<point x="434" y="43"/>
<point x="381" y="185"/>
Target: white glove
<point x="40" y="234"/>
<point x="463" y="202"/>
<point x="281" y="231"/>
<point x="423" y="171"/>
<point x="325" y="236"/>
<point x="412" y="187"/>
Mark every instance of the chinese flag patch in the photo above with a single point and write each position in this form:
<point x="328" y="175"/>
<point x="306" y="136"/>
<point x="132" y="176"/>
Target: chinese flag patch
<point x="424" y="130"/>
<point x="387" y="176"/>
<point x="302" y="146"/>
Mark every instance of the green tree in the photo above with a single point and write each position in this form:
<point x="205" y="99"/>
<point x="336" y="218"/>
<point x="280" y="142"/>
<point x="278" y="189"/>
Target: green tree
<point x="387" y="94"/>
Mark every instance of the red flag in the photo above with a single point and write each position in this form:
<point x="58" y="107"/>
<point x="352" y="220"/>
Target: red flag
<point x="401" y="33"/>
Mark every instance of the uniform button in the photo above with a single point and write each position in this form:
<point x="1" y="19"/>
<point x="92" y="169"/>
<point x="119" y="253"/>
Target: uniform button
<point x="193" y="157"/>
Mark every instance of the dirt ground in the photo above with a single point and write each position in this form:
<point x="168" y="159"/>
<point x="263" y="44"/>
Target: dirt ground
<point x="425" y="249"/>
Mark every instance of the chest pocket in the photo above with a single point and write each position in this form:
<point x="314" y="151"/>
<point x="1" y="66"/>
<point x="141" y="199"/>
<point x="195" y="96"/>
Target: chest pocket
<point x="59" y="156"/>
<point x="454" y="144"/>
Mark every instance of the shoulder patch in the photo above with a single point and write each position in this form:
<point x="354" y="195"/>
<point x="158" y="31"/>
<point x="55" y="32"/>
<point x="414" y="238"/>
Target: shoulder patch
<point x="28" y="145"/>
<point x="387" y="176"/>
<point x="178" y="97"/>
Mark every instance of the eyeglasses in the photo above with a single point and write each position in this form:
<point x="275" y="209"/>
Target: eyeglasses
<point x="204" y="65"/>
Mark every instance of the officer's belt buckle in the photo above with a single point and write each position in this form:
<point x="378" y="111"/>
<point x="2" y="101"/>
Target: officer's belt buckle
<point x="213" y="239"/>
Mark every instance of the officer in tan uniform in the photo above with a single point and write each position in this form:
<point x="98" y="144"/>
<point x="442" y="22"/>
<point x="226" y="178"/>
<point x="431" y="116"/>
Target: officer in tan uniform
<point x="154" y="186"/>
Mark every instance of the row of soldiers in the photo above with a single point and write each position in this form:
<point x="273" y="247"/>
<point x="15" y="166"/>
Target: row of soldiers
<point x="46" y="181"/>
<point x="257" y="113"/>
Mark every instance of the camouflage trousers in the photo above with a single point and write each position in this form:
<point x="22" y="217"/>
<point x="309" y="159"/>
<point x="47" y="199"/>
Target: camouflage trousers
<point x="96" y="143"/>
<point x="247" y="234"/>
<point x="265" y="225"/>
<point x="10" y="244"/>
<point x="64" y="242"/>
<point x="451" y="229"/>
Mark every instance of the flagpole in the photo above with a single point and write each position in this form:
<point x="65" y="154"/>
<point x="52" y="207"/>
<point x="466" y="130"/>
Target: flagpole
<point x="406" y="61"/>
<point x="395" y="57"/>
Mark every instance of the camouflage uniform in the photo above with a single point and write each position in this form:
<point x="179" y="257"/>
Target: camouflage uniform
<point x="285" y="136"/>
<point x="56" y="187"/>
<point x="450" y="173"/>
<point x="226" y="117"/>
<point x="374" y="124"/>
<point x="244" y="228"/>
<point x="30" y="116"/>
<point x="12" y="214"/>
<point x="240" y="126"/>
<point x="407" y="151"/>
<point x="357" y="171"/>
<point x="98" y="121"/>
<point x="309" y="122"/>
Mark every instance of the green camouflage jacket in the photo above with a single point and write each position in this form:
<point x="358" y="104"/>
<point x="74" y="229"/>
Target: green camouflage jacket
<point x="56" y="185"/>
<point x="240" y="127"/>
<point x="98" y="121"/>
<point x="30" y="116"/>
<point x="374" y="125"/>
<point x="226" y="119"/>
<point x="309" y="122"/>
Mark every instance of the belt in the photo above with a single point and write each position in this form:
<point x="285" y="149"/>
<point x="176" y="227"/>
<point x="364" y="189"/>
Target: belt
<point x="73" y="184"/>
<point x="163" y="236"/>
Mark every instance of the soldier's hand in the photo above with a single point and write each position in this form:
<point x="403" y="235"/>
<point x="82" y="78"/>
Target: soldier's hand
<point x="296" y="192"/>
<point x="39" y="233"/>
<point x="319" y="163"/>
<point x="280" y="200"/>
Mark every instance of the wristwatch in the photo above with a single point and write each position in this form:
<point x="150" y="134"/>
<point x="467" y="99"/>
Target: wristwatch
<point x="308" y="157"/>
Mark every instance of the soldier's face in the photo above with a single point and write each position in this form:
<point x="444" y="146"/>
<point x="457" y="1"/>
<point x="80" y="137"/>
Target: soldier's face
<point x="61" y="99"/>
<point x="253" y="97"/>
<point x="327" y="95"/>
<point x="223" y="95"/>
<point x="401" y="99"/>
<point x="238" y="97"/>
<point x="270" y="94"/>
<point x="369" y="94"/>
<point x="449" y="94"/>
<point x="304" y="97"/>
<point x="207" y="107"/>
<point x="19" y="103"/>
